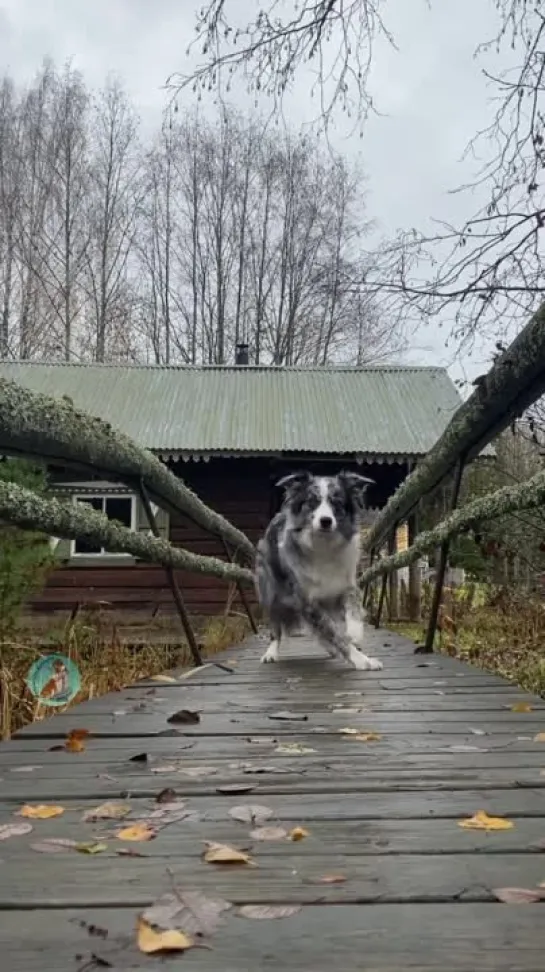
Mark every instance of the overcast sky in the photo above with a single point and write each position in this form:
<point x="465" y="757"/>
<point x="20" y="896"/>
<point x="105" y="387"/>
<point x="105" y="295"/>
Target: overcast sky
<point x="431" y="92"/>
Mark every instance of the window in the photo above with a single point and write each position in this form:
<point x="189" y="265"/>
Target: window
<point x="119" y="508"/>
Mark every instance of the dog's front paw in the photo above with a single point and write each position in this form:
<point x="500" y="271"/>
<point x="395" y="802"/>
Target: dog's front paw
<point x="271" y="655"/>
<point x="365" y="664"/>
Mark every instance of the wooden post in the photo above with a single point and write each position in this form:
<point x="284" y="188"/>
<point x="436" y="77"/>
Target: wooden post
<point x="442" y="566"/>
<point x="176" y="593"/>
<point x="415" y="574"/>
<point x="393" y="601"/>
<point x="240" y="589"/>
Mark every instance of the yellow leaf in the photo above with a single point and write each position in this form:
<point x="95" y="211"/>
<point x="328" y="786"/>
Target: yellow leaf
<point x="91" y="848"/>
<point x="521" y="707"/>
<point x="223" y="854"/>
<point x="298" y="833"/>
<point x="481" y="821"/>
<point x="540" y="737"/>
<point x="74" y="745"/>
<point x="367" y="737"/>
<point x="136" y="832"/>
<point x="40" y="811"/>
<point x="150" y="940"/>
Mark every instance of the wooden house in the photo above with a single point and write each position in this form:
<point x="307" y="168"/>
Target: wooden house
<point x="230" y="433"/>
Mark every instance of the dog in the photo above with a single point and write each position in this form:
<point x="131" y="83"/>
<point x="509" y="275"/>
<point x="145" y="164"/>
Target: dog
<point x="307" y="562"/>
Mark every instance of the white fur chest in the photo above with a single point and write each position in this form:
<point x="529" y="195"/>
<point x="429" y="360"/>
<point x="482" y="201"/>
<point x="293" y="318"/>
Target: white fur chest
<point x="329" y="572"/>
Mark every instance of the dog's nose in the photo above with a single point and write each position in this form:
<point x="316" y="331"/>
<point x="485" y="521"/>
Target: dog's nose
<point x="326" y="522"/>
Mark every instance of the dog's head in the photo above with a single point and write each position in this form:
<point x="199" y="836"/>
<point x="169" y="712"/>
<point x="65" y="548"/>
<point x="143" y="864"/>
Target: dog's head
<point x="324" y="507"/>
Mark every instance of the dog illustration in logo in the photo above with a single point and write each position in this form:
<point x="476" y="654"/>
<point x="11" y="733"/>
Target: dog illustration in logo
<point x="58" y="684"/>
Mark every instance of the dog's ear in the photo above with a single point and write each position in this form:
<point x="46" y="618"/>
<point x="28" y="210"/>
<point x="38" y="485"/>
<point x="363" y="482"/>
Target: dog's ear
<point x="294" y="479"/>
<point x="355" y="483"/>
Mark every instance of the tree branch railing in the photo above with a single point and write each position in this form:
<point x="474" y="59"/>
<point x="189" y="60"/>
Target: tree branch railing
<point x="514" y="382"/>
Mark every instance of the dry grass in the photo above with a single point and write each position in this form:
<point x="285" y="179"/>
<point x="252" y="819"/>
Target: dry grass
<point x="499" y="630"/>
<point x="106" y="661"/>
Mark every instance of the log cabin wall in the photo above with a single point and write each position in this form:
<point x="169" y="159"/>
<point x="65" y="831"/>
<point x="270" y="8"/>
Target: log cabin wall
<point x="243" y="491"/>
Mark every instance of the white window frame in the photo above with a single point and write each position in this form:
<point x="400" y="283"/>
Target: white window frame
<point x="76" y="555"/>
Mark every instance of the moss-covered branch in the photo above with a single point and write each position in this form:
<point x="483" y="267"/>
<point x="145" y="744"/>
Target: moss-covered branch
<point x="514" y="382"/>
<point x="29" y="511"/>
<point x="511" y="499"/>
<point x="39" y="426"/>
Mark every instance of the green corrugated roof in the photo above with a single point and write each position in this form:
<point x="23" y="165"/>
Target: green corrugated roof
<point x="384" y="412"/>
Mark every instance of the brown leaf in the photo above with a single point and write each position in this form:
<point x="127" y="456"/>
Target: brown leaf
<point x="298" y="833"/>
<point x="184" y="717"/>
<point x="521" y="707"/>
<point x="166" y="796"/>
<point x="268" y="912"/>
<point x="517" y="895"/>
<point x="331" y="879"/>
<point x="151" y="941"/>
<point x="236" y="789"/>
<point x="481" y="821"/>
<point x="74" y="745"/>
<point x="14" y="830"/>
<point x="39" y="811"/>
<point x="53" y="845"/>
<point x="58" y="748"/>
<point x="107" y="811"/>
<point x="193" y="911"/>
<point x="269" y="833"/>
<point x="251" y="813"/>
<point x="223" y="854"/>
<point x="78" y="734"/>
<point x="367" y="737"/>
<point x="136" y="832"/>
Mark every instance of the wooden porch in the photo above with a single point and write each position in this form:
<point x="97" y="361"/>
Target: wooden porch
<point x="386" y="879"/>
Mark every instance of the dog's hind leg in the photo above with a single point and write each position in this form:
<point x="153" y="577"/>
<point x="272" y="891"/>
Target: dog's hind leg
<point x="272" y="653"/>
<point x="355" y="630"/>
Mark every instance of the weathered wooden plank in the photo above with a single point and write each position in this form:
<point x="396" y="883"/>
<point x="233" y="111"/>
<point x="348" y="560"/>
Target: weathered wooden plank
<point x="78" y="879"/>
<point x="390" y="805"/>
<point x="327" y="839"/>
<point x="113" y="783"/>
<point x="423" y="938"/>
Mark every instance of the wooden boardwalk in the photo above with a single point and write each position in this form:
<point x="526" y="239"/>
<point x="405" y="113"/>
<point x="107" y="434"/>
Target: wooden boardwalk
<point x="417" y="890"/>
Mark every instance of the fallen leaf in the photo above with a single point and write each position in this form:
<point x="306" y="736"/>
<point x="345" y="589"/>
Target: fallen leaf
<point x="167" y="796"/>
<point x="298" y="833"/>
<point x="347" y="731"/>
<point x="107" y="811"/>
<point x="139" y="758"/>
<point x="74" y="745"/>
<point x="53" y="845"/>
<point x="268" y="912"/>
<point x="251" y="813"/>
<point x="235" y="789"/>
<point x="166" y="768"/>
<point x="521" y="707"/>
<point x="197" y="772"/>
<point x="167" y="814"/>
<point x="129" y="852"/>
<point x="269" y="833"/>
<point x="367" y="737"/>
<point x="14" y="830"/>
<point x="57" y="748"/>
<point x="78" y="734"/>
<point x="477" y="732"/>
<point x="164" y="678"/>
<point x="151" y="941"/>
<point x="136" y="832"/>
<point x="24" y="769"/>
<point x="294" y="749"/>
<point x="91" y="847"/>
<point x="289" y="716"/>
<point x="40" y="811"/>
<point x="223" y="854"/>
<point x="184" y="717"/>
<point x="331" y="879"/>
<point x="193" y="911"/>
<point x="540" y="737"/>
<point x="517" y="895"/>
<point x="481" y="821"/>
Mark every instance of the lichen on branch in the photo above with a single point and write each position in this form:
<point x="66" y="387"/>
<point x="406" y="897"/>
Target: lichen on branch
<point x="511" y="499"/>
<point x="29" y="511"/>
<point x="40" y="426"/>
